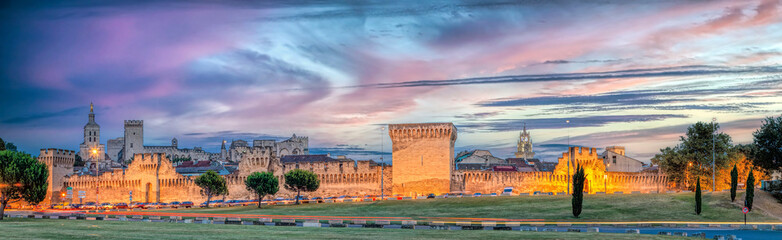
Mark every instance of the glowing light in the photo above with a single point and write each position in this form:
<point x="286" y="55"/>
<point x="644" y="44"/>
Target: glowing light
<point x="94" y="151"/>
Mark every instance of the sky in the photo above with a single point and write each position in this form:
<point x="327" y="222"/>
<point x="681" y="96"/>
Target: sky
<point x="627" y="73"/>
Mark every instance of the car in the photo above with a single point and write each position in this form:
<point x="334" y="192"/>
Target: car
<point x="186" y="204"/>
<point x="89" y="206"/>
<point x="174" y="204"/>
<point x="106" y="206"/>
<point x="138" y="205"/>
<point x="493" y="194"/>
<point x="431" y="195"/>
<point x="508" y="191"/>
<point x="121" y="205"/>
<point x="317" y="199"/>
<point x="477" y="194"/>
<point x="231" y="203"/>
<point x="150" y="205"/>
<point x="161" y="205"/>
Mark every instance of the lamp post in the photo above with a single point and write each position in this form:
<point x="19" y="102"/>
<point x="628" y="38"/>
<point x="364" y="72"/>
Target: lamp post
<point x="569" y="156"/>
<point x="713" y="178"/>
<point x="605" y="179"/>
<point x="382" y="164"/>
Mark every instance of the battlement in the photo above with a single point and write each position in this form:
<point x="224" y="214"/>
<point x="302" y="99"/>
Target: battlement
<point x="130" y="123"/>
<point x="400" y="132"/>
<point x="581" y="153"/>
<point x="57" y="152"/>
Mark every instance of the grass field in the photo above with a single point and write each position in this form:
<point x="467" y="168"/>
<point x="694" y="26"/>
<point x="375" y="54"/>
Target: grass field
<point x="81" y="229"/>
<point x="636" y="207"/>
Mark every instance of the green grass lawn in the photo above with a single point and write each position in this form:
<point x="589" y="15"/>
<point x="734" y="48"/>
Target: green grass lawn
<point x="635" y="207"/>
<point x="16" y="228"/>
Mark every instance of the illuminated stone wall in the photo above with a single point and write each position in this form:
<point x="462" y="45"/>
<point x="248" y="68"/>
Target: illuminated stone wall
<point x="59" y="163"/>
<point x="422" y="157"/>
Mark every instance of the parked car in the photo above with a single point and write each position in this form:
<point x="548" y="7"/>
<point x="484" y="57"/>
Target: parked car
<point x="138" y="205"/>
<point x="477" y="194"/>
<point x="431" y="195"/>
<point x="106" y="206"/>
<point x="161" y="205"/>
<point x="186" y="204"/>
<point x="493" y="194"/>
<point x="508" y="191"/>
<point x="174" y="204"/>
<point x="89" y="206"/>
<point x="121" y="205"/>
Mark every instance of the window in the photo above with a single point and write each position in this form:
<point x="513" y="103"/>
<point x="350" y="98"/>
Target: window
<point x="131" y="145"/>
<point x="614" y="159"/>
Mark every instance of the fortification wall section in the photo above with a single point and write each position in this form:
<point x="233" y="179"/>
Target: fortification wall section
<point x="152" y="178"/>
<point x="60" y="164"/>
<point x="529" y="182"/>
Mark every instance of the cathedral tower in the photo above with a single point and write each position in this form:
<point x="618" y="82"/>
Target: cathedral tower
<point x="524" y="146"/>
<point x="91" y="149"/>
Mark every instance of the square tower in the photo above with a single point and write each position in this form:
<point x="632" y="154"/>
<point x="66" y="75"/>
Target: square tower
<point x="60" y="164"/>
<point x="422" y="157"/>
<point x="134" y="139"/>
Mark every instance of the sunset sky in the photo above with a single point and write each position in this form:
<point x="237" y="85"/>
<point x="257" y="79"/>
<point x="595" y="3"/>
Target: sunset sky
<point x="630" y="74"/>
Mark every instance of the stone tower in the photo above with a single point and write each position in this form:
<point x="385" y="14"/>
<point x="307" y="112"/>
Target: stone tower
<point x="91" y="149"/>
<point x="223" y="152"/>
<point x="524" y="145"/>
<point x="60" y="164"/>
<point x="174" y="143"/>
<point x="422" y="157"/>
<point x="134" y="139"/>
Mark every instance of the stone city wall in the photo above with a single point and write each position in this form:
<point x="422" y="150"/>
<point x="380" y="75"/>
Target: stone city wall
<point x="422" y="157"/>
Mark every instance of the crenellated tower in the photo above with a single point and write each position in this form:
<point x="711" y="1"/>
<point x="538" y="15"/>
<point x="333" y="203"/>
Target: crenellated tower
<point x="60" y="164"/>
<point x="134" y="139"/>
<point x="422" y="157"/>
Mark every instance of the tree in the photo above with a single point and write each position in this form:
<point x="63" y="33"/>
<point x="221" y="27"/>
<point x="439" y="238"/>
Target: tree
<point x="21" y="178"/>
<point x="768" y="144"/>
<point x="734" y="182"/>
<point x="301" y="180"/>
<point x="262" y="184"/>
<point x="698" y="200"/>
<point x="692" y="157"/>
<point x="78" y="162"/>
<point x="2" y="144"/>
<point x="578" y="190"/>
<point x="211" y="184"/>
<point x="10" y="146"/>
<point x="749" y="195"/>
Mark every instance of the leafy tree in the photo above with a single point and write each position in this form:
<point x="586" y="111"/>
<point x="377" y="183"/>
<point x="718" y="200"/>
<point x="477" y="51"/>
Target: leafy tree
<point x="734" y="182"/>
<point x="211" y="185"/>
<point x="301" y="180"/>
<point x="2" y="144"/>
<point x="695" y="148"/>
<point x="10" y="146"/>
<point x="698" y="200"/>
<point x="578" y="190"/>
<point x="21" y="178"/>
<point x="262" y="184"/>
<point x="768" y="144"/>
<point x="78" y="162"/>
<point x="750" y="193"/>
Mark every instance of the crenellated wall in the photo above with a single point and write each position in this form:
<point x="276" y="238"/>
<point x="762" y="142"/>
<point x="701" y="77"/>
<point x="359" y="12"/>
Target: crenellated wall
<point x="530" y="182"/>
<point x="59" y="163"/>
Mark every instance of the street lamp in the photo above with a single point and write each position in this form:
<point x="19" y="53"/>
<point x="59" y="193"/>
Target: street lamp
<point x="605" y="179"/>
<point x="569" y="156"/>
<point x="713" y="178"/>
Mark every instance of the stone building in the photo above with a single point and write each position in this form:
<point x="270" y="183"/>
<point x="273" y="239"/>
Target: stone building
<point x="294" y="145"/>
<point x="114" y="147"/>
<point x="423" y="157"/>
<point x="60" y="165"/>
<point x="616" y="161"/>
<point x="134" y="139"/>
<point x="478" y="160"/>
<point x="91" y="149"/>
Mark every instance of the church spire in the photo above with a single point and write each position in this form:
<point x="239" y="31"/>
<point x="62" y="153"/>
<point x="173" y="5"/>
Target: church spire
<point x="90" y="107"/>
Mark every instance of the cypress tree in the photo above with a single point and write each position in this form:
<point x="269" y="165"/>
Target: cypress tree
<point x="578" y="190"/>
<point x="698" y="200"/>
<point x="750" y="193"/>
<point x="734" y="182"/>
